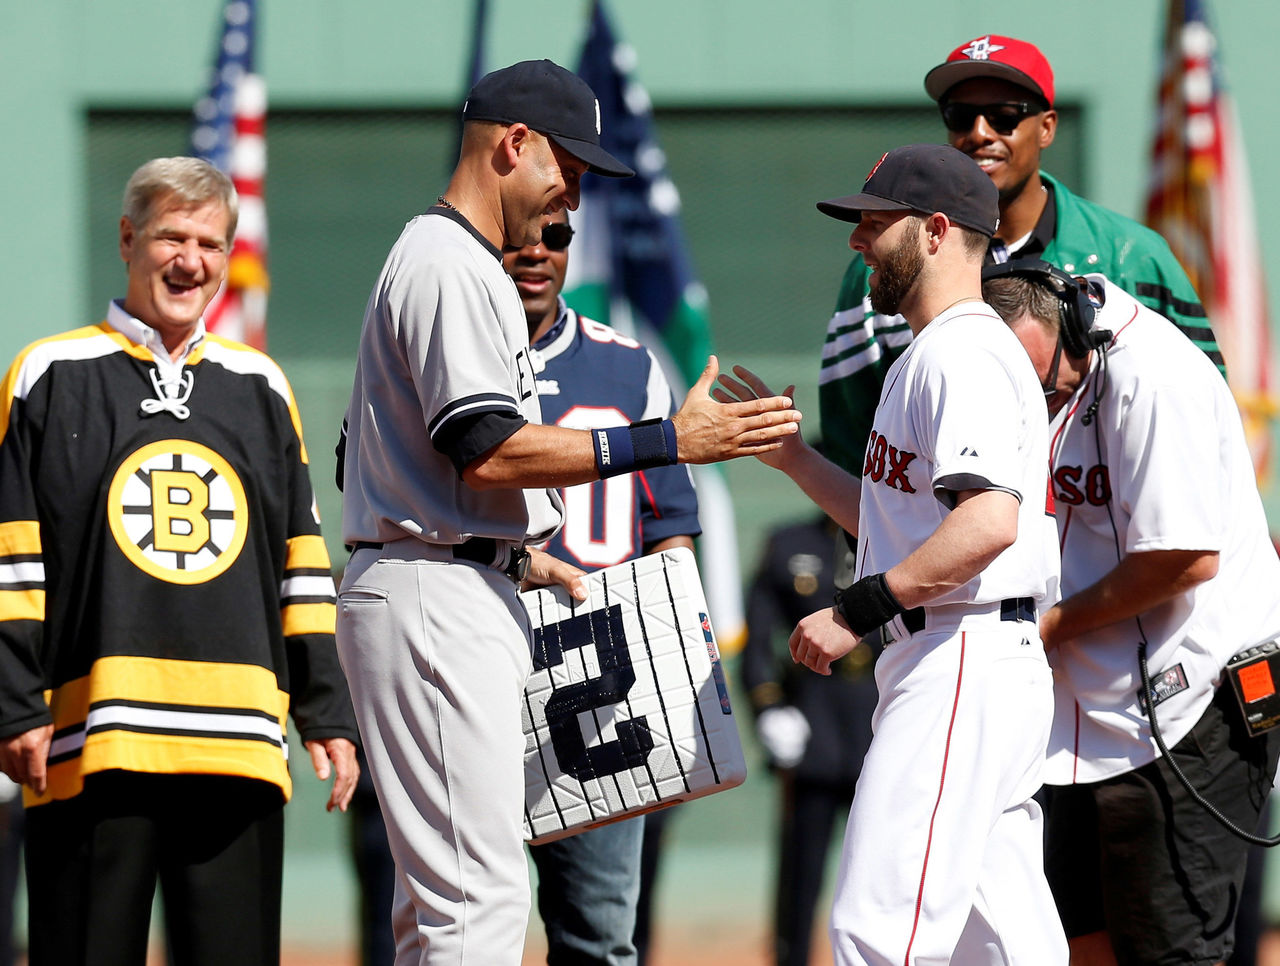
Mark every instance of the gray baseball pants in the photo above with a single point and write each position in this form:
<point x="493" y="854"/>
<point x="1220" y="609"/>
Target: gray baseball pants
<point x="437" y="654"/>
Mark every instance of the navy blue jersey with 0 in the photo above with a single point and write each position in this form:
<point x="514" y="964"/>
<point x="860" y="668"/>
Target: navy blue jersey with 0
<point x="594" y="376"/>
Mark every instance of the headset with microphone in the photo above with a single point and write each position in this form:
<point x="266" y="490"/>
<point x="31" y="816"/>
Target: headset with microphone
<point x="1076" y="313"/>
<point x="1076" y="310"/>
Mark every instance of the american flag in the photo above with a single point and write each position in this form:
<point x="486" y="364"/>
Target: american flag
<point x="1200" y="199"/>
<point x="229" y="131"/>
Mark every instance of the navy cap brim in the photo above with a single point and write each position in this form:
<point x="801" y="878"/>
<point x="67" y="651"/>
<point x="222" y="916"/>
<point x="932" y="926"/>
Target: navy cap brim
<point x="851" y="207"/>
<point x="598" y="159"/>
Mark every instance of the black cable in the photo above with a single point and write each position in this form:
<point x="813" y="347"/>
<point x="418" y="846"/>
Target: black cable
<point x="1203" y="802"/>
<point x="1091" y="413"/>
<point x="1090" y="416"/>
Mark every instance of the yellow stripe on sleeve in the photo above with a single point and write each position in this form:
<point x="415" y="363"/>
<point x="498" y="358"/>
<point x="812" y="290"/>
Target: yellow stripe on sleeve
<point x="19" y="537"/>
<point x="306" y="552"/>
<point x="309" y="619"/>
<point x="22" y="605"/>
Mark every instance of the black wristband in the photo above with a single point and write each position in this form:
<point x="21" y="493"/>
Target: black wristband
<point x="639" y="446"/>
<point x="654" y="442"/>
<point x="867" y="604"/>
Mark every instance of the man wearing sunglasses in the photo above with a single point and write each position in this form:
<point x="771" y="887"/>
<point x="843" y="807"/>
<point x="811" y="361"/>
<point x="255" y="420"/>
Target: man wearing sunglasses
<point x="590" y="376"/>
<point x="996" y="96"/>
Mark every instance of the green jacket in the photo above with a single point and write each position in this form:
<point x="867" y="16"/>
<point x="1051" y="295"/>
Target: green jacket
<point x="861" y="345"/>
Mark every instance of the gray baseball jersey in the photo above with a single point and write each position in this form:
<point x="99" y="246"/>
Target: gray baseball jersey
<point x="444" y="374"/>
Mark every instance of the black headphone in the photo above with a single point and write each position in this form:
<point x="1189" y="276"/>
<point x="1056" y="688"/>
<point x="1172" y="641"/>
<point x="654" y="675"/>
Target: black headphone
<point x="1076" y="311"/>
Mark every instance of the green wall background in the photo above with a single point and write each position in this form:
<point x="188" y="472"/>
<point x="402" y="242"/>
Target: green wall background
<point x="61" y="58"/>
<point x="762" y="108"/>
<point x="741" y="89"/>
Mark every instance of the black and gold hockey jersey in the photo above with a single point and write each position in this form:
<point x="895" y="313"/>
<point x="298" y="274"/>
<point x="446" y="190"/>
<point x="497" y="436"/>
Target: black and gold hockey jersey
<point x="165" y="594"/>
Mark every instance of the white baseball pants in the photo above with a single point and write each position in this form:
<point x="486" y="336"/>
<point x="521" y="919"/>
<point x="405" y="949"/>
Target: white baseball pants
<point x="943" y="854"/>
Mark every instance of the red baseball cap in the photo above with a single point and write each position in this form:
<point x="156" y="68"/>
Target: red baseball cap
<point x="993" y="56"/>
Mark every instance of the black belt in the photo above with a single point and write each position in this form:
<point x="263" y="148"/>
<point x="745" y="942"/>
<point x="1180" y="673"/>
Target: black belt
<point x="1011" y="609"/>
<point x="481" y="550"/>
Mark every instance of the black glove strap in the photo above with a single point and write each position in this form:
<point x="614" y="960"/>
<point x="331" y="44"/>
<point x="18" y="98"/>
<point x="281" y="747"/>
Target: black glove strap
<point x="867" y="604"/>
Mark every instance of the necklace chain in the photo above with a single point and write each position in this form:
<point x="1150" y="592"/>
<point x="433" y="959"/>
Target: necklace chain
<point x="967" y="298"/>
<point x="443" y="203"/>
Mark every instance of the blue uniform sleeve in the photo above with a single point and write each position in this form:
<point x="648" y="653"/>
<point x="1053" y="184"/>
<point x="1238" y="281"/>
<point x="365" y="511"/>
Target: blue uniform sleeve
<point x="668" y="504"/>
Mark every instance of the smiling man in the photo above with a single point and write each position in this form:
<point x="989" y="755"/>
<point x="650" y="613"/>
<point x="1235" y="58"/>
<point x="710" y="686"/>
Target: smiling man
<point x="177" y="257"/>
<point x="165" y="603"/>
<point x="996" y="96"/>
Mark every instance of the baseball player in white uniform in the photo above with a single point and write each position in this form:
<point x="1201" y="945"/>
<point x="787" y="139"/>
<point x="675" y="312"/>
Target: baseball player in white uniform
<point x="1164" y="544"/>
<point x="446" y="480"/>
<point x="942" y="859"/>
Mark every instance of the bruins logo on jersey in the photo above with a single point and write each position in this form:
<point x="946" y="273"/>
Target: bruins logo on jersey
<point x="178" y="511"/>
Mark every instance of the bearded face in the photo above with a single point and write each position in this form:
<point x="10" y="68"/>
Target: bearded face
<point x="897" y="272"/>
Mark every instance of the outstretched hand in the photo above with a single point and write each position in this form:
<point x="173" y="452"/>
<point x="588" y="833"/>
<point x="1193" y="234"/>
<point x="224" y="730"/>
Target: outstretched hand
<point x="746" y="388"/>
<point x="710" y="430"/>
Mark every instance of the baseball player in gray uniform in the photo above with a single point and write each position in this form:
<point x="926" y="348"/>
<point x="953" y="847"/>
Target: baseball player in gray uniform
<point x="942" y="859"/>
<point x="446" y="480"/>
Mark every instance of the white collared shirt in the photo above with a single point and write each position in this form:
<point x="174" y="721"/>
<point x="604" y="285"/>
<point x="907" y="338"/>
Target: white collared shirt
<point x="138" y="332"/>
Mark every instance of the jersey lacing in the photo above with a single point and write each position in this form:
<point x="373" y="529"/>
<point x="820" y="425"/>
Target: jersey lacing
<point x="172" y="394"/>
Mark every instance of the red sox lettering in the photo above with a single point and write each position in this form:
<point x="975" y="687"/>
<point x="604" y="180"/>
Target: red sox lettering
<point x="1076" y="485"/>
<point x="878" y="448"/>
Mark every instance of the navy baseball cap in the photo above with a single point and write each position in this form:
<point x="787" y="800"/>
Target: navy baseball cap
<point x="925" y="178"/>
<point x="555" y="102"/>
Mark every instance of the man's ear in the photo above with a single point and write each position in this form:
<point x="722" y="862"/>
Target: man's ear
<point x="515" y="141"/>
<point x="127" y="236"/>
<point x="1048" y="128"/>
<point x="935" y="228"/>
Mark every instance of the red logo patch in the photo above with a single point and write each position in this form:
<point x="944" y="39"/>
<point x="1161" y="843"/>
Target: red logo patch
<point x="877" y="166"/>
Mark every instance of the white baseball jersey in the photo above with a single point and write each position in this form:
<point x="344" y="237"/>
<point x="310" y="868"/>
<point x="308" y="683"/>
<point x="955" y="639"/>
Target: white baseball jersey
<point x="1162" y="465"/>
<point x="943" y="853"/>
<point x="961" y="408"/>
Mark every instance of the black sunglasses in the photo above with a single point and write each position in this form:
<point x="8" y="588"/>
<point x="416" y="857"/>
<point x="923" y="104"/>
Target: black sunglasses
<point x="557" y="236"/>
<point x="1003" y="116"/>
